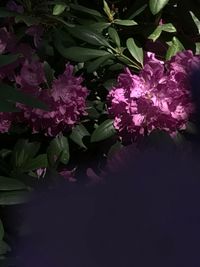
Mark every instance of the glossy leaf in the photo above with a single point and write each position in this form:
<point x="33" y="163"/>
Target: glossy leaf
<point x="114" y="36"/>
<point x="9" y="184"/>
<point x="197" y="52"/>
<point x="174" y="48"/>
<point x="103" y="131"/>
<point x="89" y="36"/>
<point x="157" y="32"/>
<point x="58" y="149"/>
<point x="138" y="11"/>
<point x="99" y="26"/>
<point x="125" y="22"/>
<point x="157" y="5"/>
<point x="78" y="133"/>
<point x="196" y="21"/>
<point x="81" y="54"/>
<point x="135" y="51"/>
<point x="59" y="9"/>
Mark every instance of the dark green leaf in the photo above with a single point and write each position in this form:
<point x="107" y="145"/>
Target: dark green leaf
<point x="9" y="184"/>
<point x="94" y="65"/>
<point x="103" y="131"/>
<point x="7" y="106"/>
<point x="78" y="133"/>
<point x="59" y="9"/>
<point x="49" y="73"/>
<point x="157" y="5"/>
<point x="28" y="20"/>
<point x="7" y="59"/>
<point x="114" y="148"/>
<point x="58" y="149"/>
<point x="14" y="197"/>
<point x="98" y="26"/>
<point x="135" y="51"/>
<point x="9" y="93"/>
<point x="89" y="36"/>
<point x="175" y="47"/>
<point x="196" y="21"/>
<point x="109" y="84"/>
<point x="85" y="10"/>
<point x="4" y="248"/>
<point x="1" y="231"/>
<point x="36" y="163"/>
<point x="137" y="12"/>
<point x="197" y="48"/>
<point x="114" y="36"/>
<point x="107" y="10"/>
<point x="4" y="13"/>
<point x="126" y="22"/>
<point x="80" y="54"/>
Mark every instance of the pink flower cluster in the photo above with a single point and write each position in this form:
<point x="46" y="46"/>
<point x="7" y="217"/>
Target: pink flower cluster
<point x="66" y="99"/>
<point x="157" y="98"/>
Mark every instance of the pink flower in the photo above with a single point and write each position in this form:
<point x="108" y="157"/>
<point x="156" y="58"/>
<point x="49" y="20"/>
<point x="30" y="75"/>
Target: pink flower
<point x="5" y="121"/>
<point x="12" y="6"/>
<point x="66" y="101"/>
<point x="157" y="98"/>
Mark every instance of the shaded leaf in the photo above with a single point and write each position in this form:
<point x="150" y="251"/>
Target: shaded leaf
<point x="78" y="133"/>
<point x="94" y="65"/>
<point x="80" y="54"/>
<point x="9" y="184"/>
<point x="7" y="59"/>
<point x="1" y="231"/>
<point x="38" y="162"/>
<point x="14" y="197"/>
<point x="103" y="131"/>
<point x="89" y="36"/>
<point x="49" y="73"/>
<point x="85" y="10"/>
<point x="138" y="11"/>
<point x="58" y="149"/>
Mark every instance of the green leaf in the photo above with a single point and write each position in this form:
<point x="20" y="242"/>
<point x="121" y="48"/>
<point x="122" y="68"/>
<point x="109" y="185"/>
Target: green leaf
<point x="49" y="73"/>
<point x="78" y="133"/>
<point x="196" y="21"/>
<point x="197" y="48"/>
<point x="59" y="9"/>
<point x="157" y="32"/>
<point x="7" y="106"/>
<point x="80" y="54"/>
<point x="14" y="197"/>
<point x="139" y="11"/>
<point x="7" y="59"/>
<point x="4" y="13"/>
<point x="89" y="36"/>
<point x="126" y="22"/>
<point x="157" y="5"/>
<point x="9" y="184"/>
<point x="23" y="152"/>
<point x="135" y="51"/>
<point x="94" y="65"/>
<point x="114" y="148"/>
<point x="86" y="10"/>
<point x="109" y="84"/>
<point x="58" y="149"/>
<point x="4" y="248"/>
<point x="175" y="47"/>
<point x="103" y="131"/>
<point x="28" y="20"/>
<point x="1" y="231"/>
<point x="114" y="36"/>
<point x="9" y="93"/>
<point x="107" y="10"/>
<point x="99" y="26"/>
<point x="36" y="163"/>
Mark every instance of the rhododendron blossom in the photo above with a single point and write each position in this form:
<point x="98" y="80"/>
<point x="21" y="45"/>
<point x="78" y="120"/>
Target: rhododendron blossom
<point x="157" y="98"/>
<point x="66" y="101"/>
